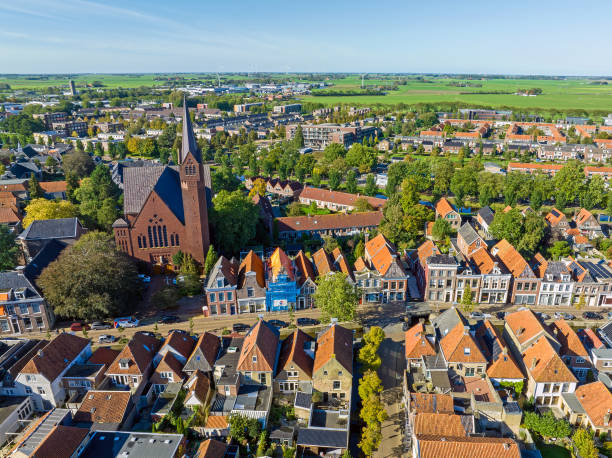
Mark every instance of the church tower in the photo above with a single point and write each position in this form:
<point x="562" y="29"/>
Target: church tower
<point x="193" y="187"/>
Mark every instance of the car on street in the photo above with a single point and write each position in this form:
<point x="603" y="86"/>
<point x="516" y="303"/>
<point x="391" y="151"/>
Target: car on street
<point x="278" y="323"/>
<point x="500" y="315"/>
<point x="307" y="322"/>
<point x="166" y="319"/>
<point x="557" y="315"/>
<point x="543" y="316"/>
<point x="240" y="327"/>
<point x="568" y="316"/>
<point x="144" y="278"/>
<point x="106" y="338"/>
<point x="476" y="315"/>
<point x="147" y="333"/>
<point x="78" y="326"/>
<point x="592" y="316"/>
<point x="126" y="322"/>
<point x="97" y="325"/>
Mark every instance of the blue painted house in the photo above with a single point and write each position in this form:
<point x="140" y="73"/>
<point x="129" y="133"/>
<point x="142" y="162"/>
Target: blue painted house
<point x="282" y="289"/>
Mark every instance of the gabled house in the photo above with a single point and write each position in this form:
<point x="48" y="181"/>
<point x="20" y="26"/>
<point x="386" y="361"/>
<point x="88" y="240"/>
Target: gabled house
<point x="417" y="345"/>
<point x="523" y="328"/>
<point x="204" y="354"/>
<point x="468" y="240"/>
<point x="168" y="370"/>
<point x="221" y="288"/>
<point x="556" y="285"/>
<point x="134" y="365"/>
<point x="342" y="265"/>
<point x="199" y="391"/>
<point x="484" y="218"/>
<point x="41" y="377"/>
<point x="323" y="263"/>
<point x="557" y="221"/>
<point x="590" y="406"/>
<point x="432" y="446"/>
<point x="525" y="284"/>
<point x="547" y="375"/>
<point x="368" y="280"/>
<point x="383" y="256"/>
<point x="494" y="287"/>
<point x="572" y="351"/>
<point x="306" y="280"/>
<point x="501" y="365"/>
<point x="446" y="211"/>
<point x="332" y="372"/>
<point x="282" y="289"/>
<point x="461" y="352"/>
<point x="295" y="362"/>
<point x="587" y="224"/>
<point x="105" y="411"/>
<point x="251" y="292"/>
<point x="178" y="343"/>
<point x="226" y="376"/>
<point x="259" y="354"/>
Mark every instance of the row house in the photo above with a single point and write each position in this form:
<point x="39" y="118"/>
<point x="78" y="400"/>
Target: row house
<point x="440" y="272"/>
<point x="484" y="219"/>
<point x="556" y="287"/>
<point x="295" y="362"/>
<point x="251" y="285"/>
<point x="590" y="407"/>
<point x="559" y="152"/>
<point x="282" y="291"/>
<point x="336" y="200"/>
<point x="259" y="355"/>
<point x="332" y="225"/>
<point x="281" y="188"/>
<point x="306" y="281"/>
<point x="525" y="283"/>
<point x="572" y="350"/>
<point x="221" y="288"/>
<point x="489" y="281"/>
<point x="501" y="365"/>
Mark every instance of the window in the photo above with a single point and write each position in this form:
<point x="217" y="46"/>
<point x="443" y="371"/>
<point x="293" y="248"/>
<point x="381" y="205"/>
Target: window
<point x="221" y="297"/>
<point x="219" y="283"/>
<point x="336" y="385"/>
<point x="28" y="390"/>
<point x="35" y="308"/>
<point x="27" y="323"/>
<point x="250" y="292"/>
<point x="41" y="390"/>
<point x="212" y="297"/>
<point x="324" y="372"/>
<point x="262" y="378"/>
<point x="466" y="350"/>
<point x="166" y="375"/>
<point x="4" y="326"/>
<point x="292" y="374"/>
<point x="23" y="309"/>
<point x="254" y="358"/>
<point x="229" y="295"/>
<point x="39" y="322"/>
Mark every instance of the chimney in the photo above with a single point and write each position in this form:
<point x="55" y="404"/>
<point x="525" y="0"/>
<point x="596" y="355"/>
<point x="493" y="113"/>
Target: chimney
<point x="534" y="361"/>
<point x="606" y="418"/>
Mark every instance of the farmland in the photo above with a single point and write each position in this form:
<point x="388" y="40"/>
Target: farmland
<point x="562" y="94"/>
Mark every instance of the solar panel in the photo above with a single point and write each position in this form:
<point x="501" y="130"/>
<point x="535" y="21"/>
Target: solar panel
<point x="555" y="213"/>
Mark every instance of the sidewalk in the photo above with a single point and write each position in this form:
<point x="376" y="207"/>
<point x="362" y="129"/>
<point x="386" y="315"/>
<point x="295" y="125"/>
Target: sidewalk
<point x="392" y="432"/>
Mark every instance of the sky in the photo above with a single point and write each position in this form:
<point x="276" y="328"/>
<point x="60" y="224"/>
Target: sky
<point x="471" y="36"/>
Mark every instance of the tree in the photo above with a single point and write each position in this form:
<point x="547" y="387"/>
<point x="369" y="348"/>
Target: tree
<point x="351" y="182"/>
<point x="166" y="298"/>
<point x="410" y="194"/>
<point x="581" y="302"/>
<point x="533" y="232"/>
<point x="368" y="354"/>
<point x="234" y="218"/>
<point x="593" y="194"/>
<point x="34" y="189"/>
<point x="335" y="298"/>
<point x="98" y="197"/>
<point x="295" y="208"/>
<point x="91" y="280"/>
<point x="507" y="225"/>
<point x="298" y="139"/>
<point x="334" y="179"/>
<point x="372" y="411"/>
<point x="362" y="157"/>
<point x="547" y="424"/>
<point x="489" y="187"/>
<point x="243" y="429"/>
<point x="467" y="301"/>
<point x="363" y="205"/>
<point x="560" y="249"/>
<point x="259" y="188"/>
<point x="441" y="229"/>
<point x="9" y="251"/>
<point x="464" y="183"/>
<point x="568" y="183"/>
<point x="516" y="187"/>
<point x="583" y="440"/>
<point x="41" y="209"/>
<point x="442" y="170"/>
<point x="211" y="259"/>
<point x="330" y="243"/>
<point x="370" y="187"/>
<point x="78" y="163"/>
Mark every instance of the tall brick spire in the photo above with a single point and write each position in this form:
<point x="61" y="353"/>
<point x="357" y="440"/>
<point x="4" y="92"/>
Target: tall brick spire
<point x="189" y="143"/>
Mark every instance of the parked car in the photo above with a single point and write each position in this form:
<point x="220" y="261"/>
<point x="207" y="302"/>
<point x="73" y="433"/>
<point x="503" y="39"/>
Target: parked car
<point x="106" y="338"/>
<point x="307" y="322"/>
<point x="476" y="315"/>
<point x="240" y="327"/>
<point x="543" y="316"/>
<point x="558" y="315"/>
<point x="500" y="315"/>
<point x="144" y="278"/>
<point x="126" y="322"/>
<point x="165" y="319"/>
<point x="78" y="326"/>
<point x="96" y="325"/>
<point x="592" y="316"/>
<point x="568" y="316"/>
<point x="278" y="323"/>
<point x="146" y="333"/>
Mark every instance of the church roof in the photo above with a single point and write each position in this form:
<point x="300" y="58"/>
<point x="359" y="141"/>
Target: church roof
<point x="189" y="144"/>
<point x="140" y="181"/>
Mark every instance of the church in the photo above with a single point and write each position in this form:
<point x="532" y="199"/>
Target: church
<point x="166" y="207"/>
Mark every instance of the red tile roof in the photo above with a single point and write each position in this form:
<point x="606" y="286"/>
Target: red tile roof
<point x="56" y="356"/>
<point x="261" y="341"/>
<point x="444" y="424"/>
<point x="334" y="221"/>
<point x="211" y="448"/>
<point x="209" y="344"/>
<point x="8" y="216"/>
<point x="335" y="342"/>
<point x="252" y="263"/>
<point x="431" y="403"/>
<point x="511" y="258"/>
<point x="339" y="198"/>
<point x="292" y="352"/>
<point x="322" y="262"/>
<point x="139" y="352"/>
<point x="569" y="340"/>
<point x="459" y="346"/>
<point x="596" y="400"/>
<point x="443" y="207"/>
<point x="61" y="442"/>
<point x="103" y="407"/>
<point x="181" y="342"/>
<point x="525" y="325"/>
<point x="304" y="267"/>
<point x="417" y="344"/>
<point x="544" y="364"/>
<point x="432" y="446"/>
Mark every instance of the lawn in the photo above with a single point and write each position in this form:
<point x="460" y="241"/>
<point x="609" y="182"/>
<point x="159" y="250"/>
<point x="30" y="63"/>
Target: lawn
<point x="553" y="451"/>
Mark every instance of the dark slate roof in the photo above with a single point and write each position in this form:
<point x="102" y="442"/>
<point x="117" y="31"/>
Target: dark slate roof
<point x="323" y="438"/>
<point x="189" y="144"/>
<point x="62" y="228"/>
<point x="468" y="233"/>
<point x="606" y="332"/>
<point x="441" y="259"/>
<point x="303" y="400"/>
<point x="140" y="181"/>
<point x="447" y="321"/>
<point x="46" y="256"/>
<point x="486" y="214"/>
<point x="16" y="280"/>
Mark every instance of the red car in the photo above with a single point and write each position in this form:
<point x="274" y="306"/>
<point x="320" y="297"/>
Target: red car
<point x="78" y="326"/>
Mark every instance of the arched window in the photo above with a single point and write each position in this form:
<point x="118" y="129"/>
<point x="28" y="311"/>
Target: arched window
<point x="171" y="239"/>
<point x="159" y="236"/>
<point x="139" y="242"/>
<point x="150" y="237"/>
<point x="177" y="240"/>
<point x="165" y="236"/>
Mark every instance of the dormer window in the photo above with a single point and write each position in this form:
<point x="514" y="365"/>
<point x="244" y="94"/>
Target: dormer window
<point x="124" y="363"/>
<point x="565" y="277"/>
<point x="219" y="283"/>
<point x="466" y="350"/>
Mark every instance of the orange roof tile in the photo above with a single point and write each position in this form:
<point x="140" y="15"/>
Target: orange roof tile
<point x="293" y="352"/>
<point x="322" y="262"/>
<point x="444" y="424"/>
<point x="252" y="263"/>
<point x="8" y="216"/>
<point x="511" y="258"/>
<point x="139" y="353"/>
<point x="360" y="264"/>
<point x="443" y="207"/>
<point x="53" y="186"/>
<point x="181" y="342"/>
<point x="281" y="264"/>
<point x="554" y="217"/>
<point x="431" y="403"/>
<point x="211" y="448"/>
<point x="432" y="446"/>
<point x="61" y="442"/>
<point x="596" y="400"/>
<point x="569" y="340"/>
<point x="335" y="342"/>
<point x="103" y="407"/>
<point x="525" y="325"/>
<point x="483" y="260"/>
<point x="544" y="364"/>
<point x="55" y="356"/>
<point x="262" y="342"/>
<point x="417" y="344"/>
<point x="459" y="346"/>
<point x="216" y="422"/>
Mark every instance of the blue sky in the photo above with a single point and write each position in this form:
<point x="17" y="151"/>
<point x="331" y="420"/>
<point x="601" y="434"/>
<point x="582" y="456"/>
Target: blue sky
<point x="516" y="36"/>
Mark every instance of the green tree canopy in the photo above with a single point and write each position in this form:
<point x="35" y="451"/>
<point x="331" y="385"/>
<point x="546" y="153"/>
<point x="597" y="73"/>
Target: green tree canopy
<point x="91" y="280"/>
<point x="335" y="298"/>
<point x="98" y="197"/>
<point x="568" y="182"/>
<point x="78" y="163"/>
<point x="9" y="251"/>
<point x="441" y="229"/>
<point x="41" y="209"/>
<point x="234" y="218"/>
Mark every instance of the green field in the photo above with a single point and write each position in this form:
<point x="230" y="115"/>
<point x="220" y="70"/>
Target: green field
<point x="567" y="94"/>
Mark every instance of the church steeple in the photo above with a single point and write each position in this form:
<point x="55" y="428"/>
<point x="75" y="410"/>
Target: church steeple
<point x="189" y="143"/>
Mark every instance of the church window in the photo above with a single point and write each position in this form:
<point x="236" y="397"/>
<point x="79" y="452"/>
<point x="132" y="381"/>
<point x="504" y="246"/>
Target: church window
<point x="171" y="239"/>
<point x="165" y="236"/>
<point x="159" y="236"/>
<point x="177" y="240"/>
<point x="150" y="237"/>
<point x="154" y="230"/>
<point x="144" y="241"/>
<point x="139" y="242"/>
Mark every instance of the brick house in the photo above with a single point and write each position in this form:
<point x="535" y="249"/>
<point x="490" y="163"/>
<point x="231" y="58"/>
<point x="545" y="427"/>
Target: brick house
<point x="587" y="224"/>
<point x="461" y="352"/>
<point x="572" y="351"/>
<point x="221" y="288"/>
<point x="468" y="240"/>
<point x="525" y="284"/>
<point x="251" y="285"/>
<point x="168" y="370"/>
<point x="105" y="411"/>
<point x="282" y="291"/>
<point x="446" y="211"/>
<point x="383" y="256"/>
<point x="368" y="281"/>
<point x="332" y="372"/>
<point x="204" y="354"/>
<point x="417" y="344"/>
<point x="259" y="354"/>
<point x="306" y="281"/>
<point x="590" y="406"/>
<point x="295" y="362"/>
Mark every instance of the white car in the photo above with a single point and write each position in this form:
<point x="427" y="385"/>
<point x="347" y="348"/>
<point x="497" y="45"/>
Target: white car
<point x="106" y="338"/>
<point x="476" y="315"/>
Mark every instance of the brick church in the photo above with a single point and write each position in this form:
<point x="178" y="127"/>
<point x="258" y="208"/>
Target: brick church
<point x="165" y="207"/>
